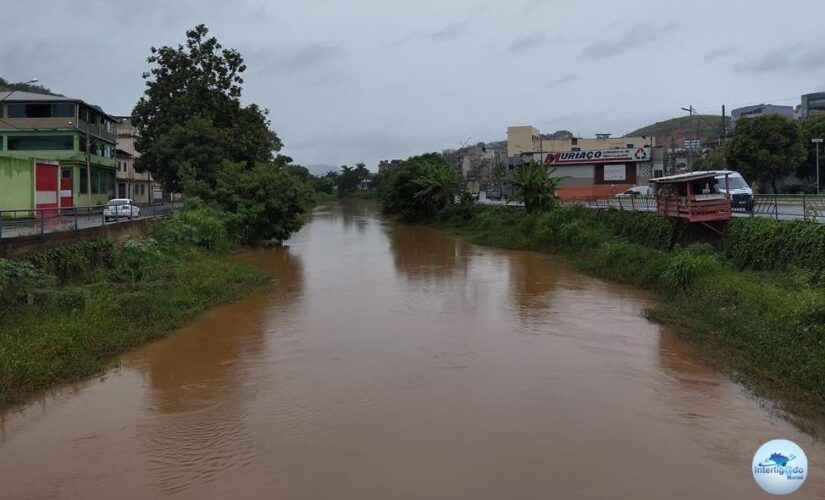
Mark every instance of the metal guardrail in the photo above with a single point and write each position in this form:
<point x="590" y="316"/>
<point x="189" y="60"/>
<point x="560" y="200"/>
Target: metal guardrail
<point x="776" y="206"/>
<point x="27" y="222"/>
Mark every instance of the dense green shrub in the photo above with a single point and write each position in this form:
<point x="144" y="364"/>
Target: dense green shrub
<point x="264" y="200"/>
<point x="136" y="258"/>
<point x="760" y="243"/>
<point x="75" y="260"/>
<point x="197" y="224"/>
<point x="639" y="227"/>
<point x="419" y="188"/>
<point x="685" y="268"/>
<point x="18" y="280"/>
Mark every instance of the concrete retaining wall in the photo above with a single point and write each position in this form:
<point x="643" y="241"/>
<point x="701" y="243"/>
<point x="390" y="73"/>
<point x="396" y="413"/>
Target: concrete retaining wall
<point x="24" y="245"/>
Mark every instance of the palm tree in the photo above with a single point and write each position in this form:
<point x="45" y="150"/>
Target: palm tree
<point x="437" y="186"/>
<point x="536" y="186"/>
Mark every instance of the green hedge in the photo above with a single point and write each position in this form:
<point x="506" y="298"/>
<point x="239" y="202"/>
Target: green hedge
<point x="759" y="243"/>
<point x="639" y="227"/>
<point x="71" y="261"/>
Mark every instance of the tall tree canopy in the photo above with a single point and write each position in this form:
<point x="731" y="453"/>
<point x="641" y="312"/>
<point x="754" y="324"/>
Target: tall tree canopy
<point x="198" y="85"/>
<point x="419" y="187"/>
<point x="767" y="148"/>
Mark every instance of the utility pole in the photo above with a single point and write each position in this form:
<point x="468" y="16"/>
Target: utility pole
<point x="817" y="142"/>
<point x="690" y="145"/>
<point x="724" y="139"/>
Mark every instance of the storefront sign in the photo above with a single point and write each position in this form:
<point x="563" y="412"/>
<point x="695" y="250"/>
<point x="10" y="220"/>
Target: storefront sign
<point x="603" y="156"/>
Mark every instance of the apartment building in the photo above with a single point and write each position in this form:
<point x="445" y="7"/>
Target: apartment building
<point x="140" y="187"/>
<point x="57" y="152"/>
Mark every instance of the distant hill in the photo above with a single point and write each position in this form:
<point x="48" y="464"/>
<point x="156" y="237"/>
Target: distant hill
<point x="679" y="129"/>
<point x="24" y="87"/>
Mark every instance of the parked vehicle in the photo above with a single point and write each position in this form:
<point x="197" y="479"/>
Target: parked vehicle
<point x="635" y="191"/>
<point x="741" y="194"/>
<point x="494" y="193"/>
<point x="120" y="208"/>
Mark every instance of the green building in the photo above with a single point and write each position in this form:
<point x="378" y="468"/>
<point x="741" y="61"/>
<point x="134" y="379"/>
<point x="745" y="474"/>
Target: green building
<point x="54" y="152"/>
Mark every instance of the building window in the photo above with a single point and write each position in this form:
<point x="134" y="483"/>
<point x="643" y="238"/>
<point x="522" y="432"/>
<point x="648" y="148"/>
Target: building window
<point x="63" y="110"/>
<point x="84" y="181"/>
<point x="102" y="181"/>
<point x="574" y="141"/>
<point x="41" y="143"/>
<point x="575" y="149"/>
<point x="42" y="110"/>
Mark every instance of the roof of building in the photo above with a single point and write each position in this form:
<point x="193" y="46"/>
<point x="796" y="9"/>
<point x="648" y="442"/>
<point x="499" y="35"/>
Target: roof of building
<point x="689" y="176"/>
<point x="21" y="96"/>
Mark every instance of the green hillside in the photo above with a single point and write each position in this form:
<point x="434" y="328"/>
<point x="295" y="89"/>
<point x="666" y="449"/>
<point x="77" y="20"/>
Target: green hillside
<point x="709" y="128"/>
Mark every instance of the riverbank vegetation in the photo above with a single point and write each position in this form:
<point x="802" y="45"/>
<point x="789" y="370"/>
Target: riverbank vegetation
<point x="753" y="300"/>
<point x="67" y="311"/>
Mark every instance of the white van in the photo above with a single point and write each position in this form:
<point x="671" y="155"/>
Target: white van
<point x="741" y="195"/>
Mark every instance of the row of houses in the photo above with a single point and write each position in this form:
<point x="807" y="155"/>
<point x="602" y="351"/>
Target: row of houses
<point x="61" y="152"/>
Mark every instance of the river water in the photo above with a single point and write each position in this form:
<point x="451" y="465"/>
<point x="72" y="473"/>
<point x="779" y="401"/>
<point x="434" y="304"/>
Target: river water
<point x="387" y="361"/>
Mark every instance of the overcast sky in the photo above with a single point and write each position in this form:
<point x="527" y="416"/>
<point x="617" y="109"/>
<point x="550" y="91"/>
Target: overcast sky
<point x="359" y="80"/>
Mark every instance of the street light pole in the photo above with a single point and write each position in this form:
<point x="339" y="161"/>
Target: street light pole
<point x="817" y="142"/>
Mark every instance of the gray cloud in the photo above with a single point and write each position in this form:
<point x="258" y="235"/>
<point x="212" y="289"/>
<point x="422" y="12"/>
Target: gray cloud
<point x="341" y="91"/>
<point x="301" y="58"/>
<point x="633" y="37"/>
<point x="526" y="42"/>
<point x="562" y="80"/>
<point x="451" y="31"/>
<point x="446" y="33"/>
<point x="715" y="54"/>
<point x="793" y="58"/>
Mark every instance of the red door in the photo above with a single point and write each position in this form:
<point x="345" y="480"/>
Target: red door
<point x="66" y="187"/>
<point x="46" y="187"/>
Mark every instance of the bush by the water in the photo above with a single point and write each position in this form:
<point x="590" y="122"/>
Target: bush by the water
<point x="75" y="260"/>
<point x="419" y="188"/>
<point x="65" y="311"/>
<point x="761" y="243"/>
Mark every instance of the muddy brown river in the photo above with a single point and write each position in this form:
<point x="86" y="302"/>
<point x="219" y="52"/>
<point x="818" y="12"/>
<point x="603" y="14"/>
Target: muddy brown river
<point x="387" y="361"/>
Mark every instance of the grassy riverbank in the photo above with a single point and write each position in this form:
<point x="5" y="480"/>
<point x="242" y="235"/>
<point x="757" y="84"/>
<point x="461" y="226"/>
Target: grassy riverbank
<point x="65" y="313"/>
<point x="755" y="304"/>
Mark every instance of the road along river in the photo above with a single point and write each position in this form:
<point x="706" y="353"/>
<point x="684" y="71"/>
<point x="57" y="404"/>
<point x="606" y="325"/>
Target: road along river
<point x="388" y="361"/>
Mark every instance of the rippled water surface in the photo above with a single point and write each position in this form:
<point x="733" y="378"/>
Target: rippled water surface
<point x="396" y="362"/>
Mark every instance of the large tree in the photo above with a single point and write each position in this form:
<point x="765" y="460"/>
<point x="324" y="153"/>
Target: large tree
<point x="767" y="148"/>
<point x="419" y="187"/>
<point x="348" y="180"/>
<point x="198" y="83"/>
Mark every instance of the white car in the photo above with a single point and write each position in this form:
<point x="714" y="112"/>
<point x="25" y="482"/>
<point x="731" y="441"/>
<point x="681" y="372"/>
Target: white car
<point x="121" y="208"/>
<point x="635" y="191"/>
<point x="741" y="195"/>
